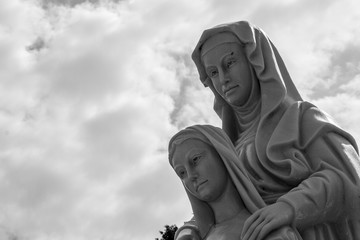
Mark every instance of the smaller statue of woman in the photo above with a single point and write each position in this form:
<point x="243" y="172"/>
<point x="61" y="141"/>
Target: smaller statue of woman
<point x="221" y="194"/>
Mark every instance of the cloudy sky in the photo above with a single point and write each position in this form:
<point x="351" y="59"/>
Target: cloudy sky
<point x="91" y="91"/>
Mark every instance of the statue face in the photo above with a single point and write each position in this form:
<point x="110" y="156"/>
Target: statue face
<point x="229" y="71"/>
<point x="201" y="169"/>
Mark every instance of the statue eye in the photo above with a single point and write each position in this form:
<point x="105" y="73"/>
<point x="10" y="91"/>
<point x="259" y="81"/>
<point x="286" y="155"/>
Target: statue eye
<point x="196" y="159"/>
<point x="181" y="173"/>
<point x="230" y="63"/>
<point x="212" y="73"/>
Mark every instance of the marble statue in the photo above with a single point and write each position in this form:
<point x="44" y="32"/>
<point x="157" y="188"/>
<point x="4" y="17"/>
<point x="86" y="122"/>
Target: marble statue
<point x="221" y="194"/>
<point x="305" y="168"/>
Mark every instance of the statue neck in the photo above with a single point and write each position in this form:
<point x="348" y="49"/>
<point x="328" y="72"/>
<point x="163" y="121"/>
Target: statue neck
<point x="228" y="205"/>
<point x="248" y="114"/>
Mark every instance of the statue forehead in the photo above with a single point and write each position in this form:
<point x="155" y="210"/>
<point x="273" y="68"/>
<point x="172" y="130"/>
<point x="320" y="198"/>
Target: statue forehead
<point x="217" y="40"/>
<point x="217" y="54"/>
<point x="186" y="146"/>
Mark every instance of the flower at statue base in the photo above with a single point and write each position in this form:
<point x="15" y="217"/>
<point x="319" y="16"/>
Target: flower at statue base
<point x="169" y="233"/>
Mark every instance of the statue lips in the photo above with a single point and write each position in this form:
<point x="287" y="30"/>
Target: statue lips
<point x="200" y="184"/>
<point x="229" y="89"/>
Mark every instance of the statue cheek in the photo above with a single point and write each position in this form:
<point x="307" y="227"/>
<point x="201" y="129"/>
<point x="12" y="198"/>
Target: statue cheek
<point x="189" y="187"/>
<point x="217" y="87"/>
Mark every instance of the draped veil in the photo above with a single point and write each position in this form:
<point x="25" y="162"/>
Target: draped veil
<point x="301" y="156"/>
<point x="219" y="140"/>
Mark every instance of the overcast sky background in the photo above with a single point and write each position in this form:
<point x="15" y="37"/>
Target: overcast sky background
<point x="91" y="92"/>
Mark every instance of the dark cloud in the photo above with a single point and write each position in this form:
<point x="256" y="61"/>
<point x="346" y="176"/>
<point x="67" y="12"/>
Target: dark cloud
<point x="113" y="141"/>
<point x="286" y="12"/>
<point x="347" y="59"/>
<point x="155" y="190"/>
<point x="151" y="189"/>
<point x="72" y="3"/>
<point x="43" y="195"/>
<point x="344" y="66"/>
<point x="187" y="78"/>
<point x="192" y="101"/>
<point x="37" y="45"/>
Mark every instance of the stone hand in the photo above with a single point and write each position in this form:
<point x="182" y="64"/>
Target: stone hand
<point x="267" y="219"/>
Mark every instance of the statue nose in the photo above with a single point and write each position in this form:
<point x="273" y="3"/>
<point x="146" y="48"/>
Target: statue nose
<point x="193" y="175"/>
<point x="224" y="77"/>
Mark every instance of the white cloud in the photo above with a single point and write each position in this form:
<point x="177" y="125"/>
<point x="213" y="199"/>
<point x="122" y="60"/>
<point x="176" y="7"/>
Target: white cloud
<point x="91" y="93"/>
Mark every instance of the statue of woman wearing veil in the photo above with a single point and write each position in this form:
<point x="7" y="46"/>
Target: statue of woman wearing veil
<point x="305" y="168"/>
<point x="221" y="194"/>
